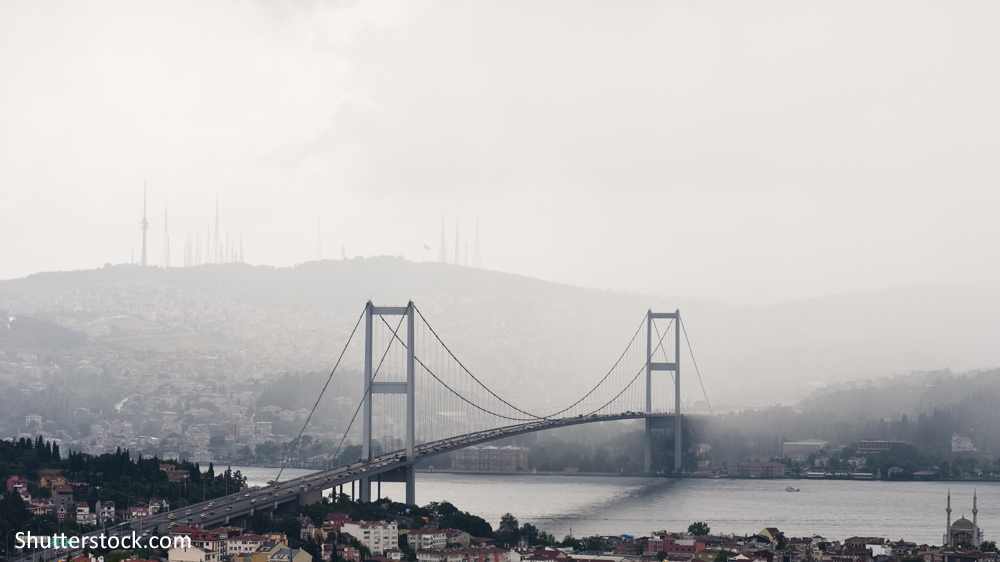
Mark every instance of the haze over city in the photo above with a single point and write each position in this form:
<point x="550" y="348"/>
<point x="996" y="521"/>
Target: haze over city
<point x="500" y="281"/>
<point x="743" y="153"/>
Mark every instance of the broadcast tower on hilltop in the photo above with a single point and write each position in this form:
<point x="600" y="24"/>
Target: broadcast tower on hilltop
<point x="144" y="224"/>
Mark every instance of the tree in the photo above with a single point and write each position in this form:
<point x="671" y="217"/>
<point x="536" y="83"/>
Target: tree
<point x="988" y="546"/>
<point x="569" y="541"/>
<point x="509" y="531"/>
<point x="723" y="556"/>
<point x="699" y="529"/>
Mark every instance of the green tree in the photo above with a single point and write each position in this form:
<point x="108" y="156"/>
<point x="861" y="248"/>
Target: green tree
<point x="699" y="529"/>
<point x="569" y="541"/>
<point x="988" y="546"/>
<point x="509" y="532"/>
<point x="724" y="556"/>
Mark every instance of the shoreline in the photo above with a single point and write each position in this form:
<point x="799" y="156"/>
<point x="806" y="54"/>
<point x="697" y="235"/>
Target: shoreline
<point x="673" y="476"/>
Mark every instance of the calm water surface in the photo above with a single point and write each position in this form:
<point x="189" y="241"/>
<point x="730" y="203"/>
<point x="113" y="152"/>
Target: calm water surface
<point x="836" y="509"/>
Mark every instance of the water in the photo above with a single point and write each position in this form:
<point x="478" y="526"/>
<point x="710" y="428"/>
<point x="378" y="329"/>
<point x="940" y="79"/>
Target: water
<point x="835" y="509"/>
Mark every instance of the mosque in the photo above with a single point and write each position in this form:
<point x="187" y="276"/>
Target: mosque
<point x="963" y="530"/>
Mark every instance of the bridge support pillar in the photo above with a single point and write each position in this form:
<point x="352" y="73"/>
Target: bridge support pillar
<point x="373" y="387"/>
<point x="365" y="494"/>
<point x="648" y="445"/>
<point x="677" y="443"/>
<point x="674" y="366"/>
<point x="411" y="485"/>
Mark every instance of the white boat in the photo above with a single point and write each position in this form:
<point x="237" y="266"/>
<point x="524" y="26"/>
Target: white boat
<point x="791" y="488"/>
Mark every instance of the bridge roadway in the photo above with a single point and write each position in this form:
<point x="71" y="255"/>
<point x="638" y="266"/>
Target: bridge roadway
<point x="289" y="494"/>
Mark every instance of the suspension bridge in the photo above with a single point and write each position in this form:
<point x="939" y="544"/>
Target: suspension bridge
<point x="420" y="401"/>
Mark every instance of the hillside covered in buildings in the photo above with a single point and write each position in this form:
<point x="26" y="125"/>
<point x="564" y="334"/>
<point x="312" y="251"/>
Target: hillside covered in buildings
<point x="224" y="361"/>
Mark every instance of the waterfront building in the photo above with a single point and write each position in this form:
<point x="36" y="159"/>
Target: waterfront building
<point x="876" y="445"/>
<point x="799" y="451"/>
<point x="490" y="459"/>
<point x="753" y="469"/>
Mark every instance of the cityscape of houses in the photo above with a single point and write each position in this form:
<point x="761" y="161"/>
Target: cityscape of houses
<point x="338" y="538"/>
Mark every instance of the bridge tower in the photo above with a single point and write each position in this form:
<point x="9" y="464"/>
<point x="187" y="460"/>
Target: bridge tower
<point x="375" y="387"/>
<point x="675" y="366"/>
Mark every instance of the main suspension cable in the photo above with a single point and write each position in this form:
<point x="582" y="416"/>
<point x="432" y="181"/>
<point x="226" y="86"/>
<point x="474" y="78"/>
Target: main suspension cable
<point x="328" y="379"/>
<point x="429" y="327"/>
<point x="368" y="389"/>
<point x="695" y="363"/>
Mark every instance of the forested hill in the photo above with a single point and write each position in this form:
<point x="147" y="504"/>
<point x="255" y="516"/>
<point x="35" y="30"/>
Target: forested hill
<point x="923" y="409"/>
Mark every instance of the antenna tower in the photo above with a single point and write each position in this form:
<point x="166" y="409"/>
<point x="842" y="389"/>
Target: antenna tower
<point x="218" y="243"/>
<point x="442" y="251"/>
<point x="477" y="258"/>
<point x="165" y="251"/>
<point x="144" y="224"/>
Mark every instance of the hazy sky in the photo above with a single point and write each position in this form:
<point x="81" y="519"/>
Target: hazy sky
<point x="738" y="151"/>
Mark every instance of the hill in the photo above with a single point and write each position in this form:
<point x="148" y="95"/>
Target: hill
<point x="532" y="340"/>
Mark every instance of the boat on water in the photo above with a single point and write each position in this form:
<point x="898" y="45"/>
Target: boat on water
<point x="791" y="488"/>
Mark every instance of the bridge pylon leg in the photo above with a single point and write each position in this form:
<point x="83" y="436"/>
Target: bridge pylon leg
<point x="677" y="443"/>
<point x="649" y="445"/>
<point x="365" y="494"/>
<point x="411" y="485"/>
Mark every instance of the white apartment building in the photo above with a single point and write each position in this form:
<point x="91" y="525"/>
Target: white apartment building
<point x="421" y="540"/>
<point x="961" y="443"/>
<point x="378" y="536"/>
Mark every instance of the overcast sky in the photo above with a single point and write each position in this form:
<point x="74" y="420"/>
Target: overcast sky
<point x="748" y="152"/>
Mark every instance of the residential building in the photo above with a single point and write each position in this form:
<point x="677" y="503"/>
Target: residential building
<point x="378" y="536"/>
<point x="105" y="510"/>
<point x="63" y="495"/>
<point x="472" y="554"/>
<point x="193" y="554"/>
<point x="290" y="555"/>
<point x="19" y="483"/>
<point x="83" y="514"/>
<point x="427" y="539"/>
<point x="243" y="544"/>
<point x="348" y="552"/>
<point x="50" y="481"/>
<point x="333" y="522"/>
<point x="960" y="443"/>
